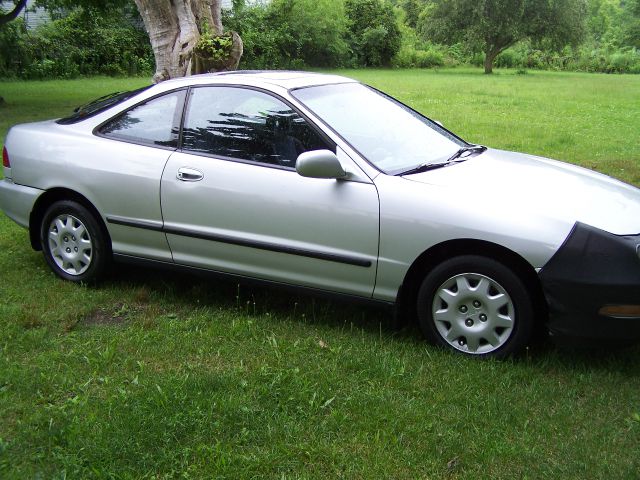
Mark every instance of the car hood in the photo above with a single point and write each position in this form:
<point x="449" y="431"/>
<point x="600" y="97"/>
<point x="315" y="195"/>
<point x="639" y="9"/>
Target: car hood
<point x="543" y="187"/>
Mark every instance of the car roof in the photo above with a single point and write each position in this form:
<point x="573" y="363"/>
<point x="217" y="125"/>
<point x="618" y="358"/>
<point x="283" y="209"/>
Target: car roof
<point x="282" y="78"/>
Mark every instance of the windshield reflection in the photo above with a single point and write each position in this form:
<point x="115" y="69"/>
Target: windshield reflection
<point x="388" y="134"/>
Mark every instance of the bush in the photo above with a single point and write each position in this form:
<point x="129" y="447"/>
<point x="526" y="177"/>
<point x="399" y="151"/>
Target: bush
<point x="290" y="33"/>
<point x="429" y="58"/>
<point x="82" y="43"/>
<point x="408" y="57"/>
<point x="13" y="49"/>
<point x="372" y="32"/>
<point x="585" y="58"/>
<point x="625" y="62"/>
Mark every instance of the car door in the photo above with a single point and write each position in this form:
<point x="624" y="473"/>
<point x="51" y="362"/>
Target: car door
<point x="233" y="202"/>
<point x="128" y="156"/>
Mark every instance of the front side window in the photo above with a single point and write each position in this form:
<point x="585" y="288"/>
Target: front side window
<point x="246" y="124"/>
<point x="153" y="122"/>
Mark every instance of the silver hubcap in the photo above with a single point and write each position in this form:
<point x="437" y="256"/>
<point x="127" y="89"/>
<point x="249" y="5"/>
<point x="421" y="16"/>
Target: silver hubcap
<point x="473" y="313"/>
<point x="70" y="244"/>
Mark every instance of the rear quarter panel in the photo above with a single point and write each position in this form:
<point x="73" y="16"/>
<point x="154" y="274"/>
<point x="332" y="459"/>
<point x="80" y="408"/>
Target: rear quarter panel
<point x="118" y="178"/>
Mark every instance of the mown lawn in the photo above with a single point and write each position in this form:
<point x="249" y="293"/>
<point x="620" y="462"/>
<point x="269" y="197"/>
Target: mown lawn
<point x="154" y="375"/>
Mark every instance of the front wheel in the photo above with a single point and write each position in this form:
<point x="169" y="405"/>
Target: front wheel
<point x="73" y="243"/>
<point x="477" y="306"/>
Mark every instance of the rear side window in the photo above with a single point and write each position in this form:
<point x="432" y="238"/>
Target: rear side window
<point x="246" y="124"/>
<point x="99" y="105"/>
<point x="155" y="122"/>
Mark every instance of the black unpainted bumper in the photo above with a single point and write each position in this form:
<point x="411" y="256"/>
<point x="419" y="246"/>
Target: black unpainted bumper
<point x="593" y="269"/>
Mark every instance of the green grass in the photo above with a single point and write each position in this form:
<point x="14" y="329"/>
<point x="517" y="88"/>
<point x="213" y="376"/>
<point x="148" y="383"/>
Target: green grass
<point x="154" y="375"/>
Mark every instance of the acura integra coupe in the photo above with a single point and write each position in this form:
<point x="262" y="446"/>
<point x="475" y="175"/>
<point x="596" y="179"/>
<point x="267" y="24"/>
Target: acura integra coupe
<point x="323" y="183"/>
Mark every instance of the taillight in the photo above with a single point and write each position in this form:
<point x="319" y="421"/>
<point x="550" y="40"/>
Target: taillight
<point x="5" y="158"/>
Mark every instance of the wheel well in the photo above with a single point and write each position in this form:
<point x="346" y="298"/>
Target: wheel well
<point x="438" y="253"/>
<point x="47" y="199"/>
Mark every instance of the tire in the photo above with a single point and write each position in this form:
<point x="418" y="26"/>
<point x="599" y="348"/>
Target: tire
<point x="476" y="306"/>
<point x="73" y="243"/>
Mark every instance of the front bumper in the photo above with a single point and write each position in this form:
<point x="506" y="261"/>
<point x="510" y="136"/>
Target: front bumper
<point x="17" y="201"/>
<point x="593" y="269"/>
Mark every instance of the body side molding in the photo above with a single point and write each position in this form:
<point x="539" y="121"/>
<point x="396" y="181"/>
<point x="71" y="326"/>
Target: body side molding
<point x="272" y="247"/>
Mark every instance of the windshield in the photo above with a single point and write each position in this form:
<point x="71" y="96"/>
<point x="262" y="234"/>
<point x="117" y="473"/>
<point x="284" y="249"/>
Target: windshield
<point x="388" y="134"/>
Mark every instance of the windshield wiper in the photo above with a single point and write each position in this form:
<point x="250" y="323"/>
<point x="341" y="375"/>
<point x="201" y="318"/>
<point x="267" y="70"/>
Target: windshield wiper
<point x="425" y="167"/>
<point x="460" y="156"/>
<point x="468" y="149"/>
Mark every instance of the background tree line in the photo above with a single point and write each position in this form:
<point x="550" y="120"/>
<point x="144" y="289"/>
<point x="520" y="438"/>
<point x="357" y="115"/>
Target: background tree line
<point x="109" y="39"/>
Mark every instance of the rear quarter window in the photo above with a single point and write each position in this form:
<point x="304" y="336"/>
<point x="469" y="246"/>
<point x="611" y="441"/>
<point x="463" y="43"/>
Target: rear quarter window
<point x="99" y="105"/>
<point x="155" y="122"/>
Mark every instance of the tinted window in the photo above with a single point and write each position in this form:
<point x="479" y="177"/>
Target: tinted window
<point x="150" y="122"/>
<point x="246" y="124"/>
<point x="99" y="105"/>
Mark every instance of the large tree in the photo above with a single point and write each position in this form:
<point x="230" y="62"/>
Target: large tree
<point x="494" y="25"/>
<point x="186" y="35"/>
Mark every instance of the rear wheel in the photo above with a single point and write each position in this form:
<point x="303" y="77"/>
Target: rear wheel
<point x="477" y="306"/>
<point x="73" y="243"/>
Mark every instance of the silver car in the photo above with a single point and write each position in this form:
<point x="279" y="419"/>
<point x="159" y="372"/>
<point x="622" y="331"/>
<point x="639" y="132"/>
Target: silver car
<point x="321" y="182"/>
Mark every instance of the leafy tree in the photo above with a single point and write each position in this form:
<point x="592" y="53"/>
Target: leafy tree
<point x="373" y="33"/>
<point x="412" y="9"/>
<point x="494" y="25"/>
<point x="87" y="42"/>
<point x="631" y="30"/>
<point x="614" y="24"/>
<point x="186" y="35"/>
<point x="290" y="33"/>
<point x="310" y="31"/>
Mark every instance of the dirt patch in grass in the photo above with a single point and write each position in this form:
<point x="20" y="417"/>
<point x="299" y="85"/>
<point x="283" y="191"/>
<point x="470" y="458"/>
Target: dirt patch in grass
<point x="30" y="320"/>
<point x="114" y="316"/>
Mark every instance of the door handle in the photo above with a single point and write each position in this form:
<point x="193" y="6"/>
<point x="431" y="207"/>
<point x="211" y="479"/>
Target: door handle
<point x="187" y="174"/>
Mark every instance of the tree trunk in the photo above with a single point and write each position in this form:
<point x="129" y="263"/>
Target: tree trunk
<point x="489" y="57"/>
<point x="13" y="14"/>
<point x="174" y="28"/>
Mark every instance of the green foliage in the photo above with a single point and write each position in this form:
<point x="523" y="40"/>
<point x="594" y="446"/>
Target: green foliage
<point x="312" y="30"/>
<point x="290" y="33"/>
<point x="103" y="5"/>
<point x="608" y="42"/>
<point x="261" y="45"/>
<point x="491" y="26"/>
<point x="416" y="53"/>
<point x="214" y="47"/>
<point x="315" y="33"/>
<point x="12" y="39"/>
<point x="102" y="37"/>
<point x="584" y="58"/>
<point x="84" y="42"/>
<point x="409" y="57"/>
<point x="412" y="9"/>
<point x="372" y="31"/>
